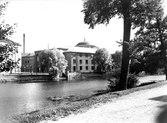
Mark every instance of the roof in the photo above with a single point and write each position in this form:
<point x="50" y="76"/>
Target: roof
<point x="27" y="54"/>
<point x="83" y="43"/>
<point x="86" y="44"/>
<point x="9" y="42"/>
<point x="81" y="50"/>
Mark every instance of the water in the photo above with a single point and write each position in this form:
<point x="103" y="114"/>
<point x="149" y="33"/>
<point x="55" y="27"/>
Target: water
<point x="18" y="98"/>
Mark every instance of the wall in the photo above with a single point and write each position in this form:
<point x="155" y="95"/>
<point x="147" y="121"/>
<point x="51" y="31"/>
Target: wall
<point x="27" y="63"/>
<point x="74" y="59"/>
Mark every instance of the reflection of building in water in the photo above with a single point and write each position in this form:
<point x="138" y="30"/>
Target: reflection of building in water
<point x="80" y="57"/>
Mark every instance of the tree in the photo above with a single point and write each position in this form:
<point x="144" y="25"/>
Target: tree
<point x="53" y="57"/>
<point x="7" y="47"/>
<point x="103" y="59"/>
<point x="153" y="37"/>
<point x="134" y="13"/>
<point x="117" y="57"/>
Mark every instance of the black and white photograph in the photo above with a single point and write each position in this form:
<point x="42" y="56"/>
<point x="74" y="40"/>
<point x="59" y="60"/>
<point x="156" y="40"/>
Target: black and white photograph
<point x="83" y="61"/>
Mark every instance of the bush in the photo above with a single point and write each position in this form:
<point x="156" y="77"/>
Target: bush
<point x="132" y="81"/>
<point x="113" y="83"/>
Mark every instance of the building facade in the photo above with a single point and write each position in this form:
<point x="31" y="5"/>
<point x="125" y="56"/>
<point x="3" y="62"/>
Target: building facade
<point x="27" y="62"/>
<point x="80" y="57"/>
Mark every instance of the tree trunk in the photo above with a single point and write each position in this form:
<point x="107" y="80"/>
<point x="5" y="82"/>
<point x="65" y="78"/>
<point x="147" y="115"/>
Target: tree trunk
<point x="125" y="49"/>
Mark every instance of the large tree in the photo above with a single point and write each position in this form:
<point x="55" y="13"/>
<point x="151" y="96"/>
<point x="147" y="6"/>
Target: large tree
<point x="52" y="57"/>
<point x="134" y="13"/>
<point x="103" y="59"/>
<point x="152" y="39"/>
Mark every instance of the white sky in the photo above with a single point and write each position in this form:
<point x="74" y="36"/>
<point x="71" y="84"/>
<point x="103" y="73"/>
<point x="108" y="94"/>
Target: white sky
<point x="58" y="23"/>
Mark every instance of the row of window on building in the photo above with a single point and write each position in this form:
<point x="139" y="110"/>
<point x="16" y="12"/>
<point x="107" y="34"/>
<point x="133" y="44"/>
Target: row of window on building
<point x="80" y="61"/>
<point x="81" y="68"/>
<point x="26" y="62"/>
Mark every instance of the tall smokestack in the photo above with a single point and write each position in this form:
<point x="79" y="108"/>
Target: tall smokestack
<point x="23" y="43"/>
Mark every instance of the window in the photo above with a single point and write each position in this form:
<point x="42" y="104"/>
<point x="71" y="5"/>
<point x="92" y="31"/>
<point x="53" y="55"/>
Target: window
<point x="80" y="67"/>
<point x="86" y="61"/>
<point x="86" y="67"/>
<point x="80" y="61"/>
<point x="27" y="61"/>
<point x="92" y="67"/>
<point x="73" y="68"/>
<point x="80" y="54"/>
<point x="74" y="61"/>
<point x="86" y="55"/>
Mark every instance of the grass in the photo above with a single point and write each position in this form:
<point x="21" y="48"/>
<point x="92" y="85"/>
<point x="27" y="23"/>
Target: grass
<point x="75" y="105"/>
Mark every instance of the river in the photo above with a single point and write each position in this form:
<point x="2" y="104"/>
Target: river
<point x="16" y="98"/>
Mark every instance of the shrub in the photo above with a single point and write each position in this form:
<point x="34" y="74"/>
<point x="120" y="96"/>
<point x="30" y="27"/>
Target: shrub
<point x="132" y="81"/>
<point x="113" y="83"/>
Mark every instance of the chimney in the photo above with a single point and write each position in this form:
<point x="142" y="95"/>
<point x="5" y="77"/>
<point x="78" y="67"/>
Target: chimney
<point x="23" y="43"/>
<point x="48" y="46"/>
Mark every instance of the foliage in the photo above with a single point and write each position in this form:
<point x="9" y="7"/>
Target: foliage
<point x="114" y="82"/>
<point x="50" y="58"/>
<point x="132" y="81"/>
<point x="6" y="62"/>
<point x="150" y="43"/>
<point x="135" y="13"/>
<point x="7" y="48"/>
<point x="101" y="11"/>
<point x="103" y="59"/>
<point x="117" y="58"/>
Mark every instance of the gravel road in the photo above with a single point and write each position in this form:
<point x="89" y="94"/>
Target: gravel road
<point x="139" y="107"/>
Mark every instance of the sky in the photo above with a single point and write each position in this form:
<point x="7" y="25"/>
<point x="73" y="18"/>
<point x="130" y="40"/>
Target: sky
<point x="59" y="23"/>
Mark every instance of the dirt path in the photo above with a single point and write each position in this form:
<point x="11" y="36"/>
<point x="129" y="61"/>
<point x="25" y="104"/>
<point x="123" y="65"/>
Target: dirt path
<point x="138" y="107"/>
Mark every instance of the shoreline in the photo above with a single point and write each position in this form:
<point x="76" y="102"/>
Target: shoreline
<point x="26" y="78"/>
<point x="80" y="105"/>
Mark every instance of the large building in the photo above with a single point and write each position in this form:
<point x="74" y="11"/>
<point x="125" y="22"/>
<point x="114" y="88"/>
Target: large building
<point x="80" y="57"/>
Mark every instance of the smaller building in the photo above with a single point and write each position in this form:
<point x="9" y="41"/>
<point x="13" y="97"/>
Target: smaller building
<point x="27" y="62"/>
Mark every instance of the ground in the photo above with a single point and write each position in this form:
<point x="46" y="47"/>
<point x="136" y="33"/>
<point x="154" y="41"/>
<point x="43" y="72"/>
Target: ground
<point x="142" y="106"/>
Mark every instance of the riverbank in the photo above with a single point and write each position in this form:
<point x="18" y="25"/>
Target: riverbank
<point x="78" y="104"/>
<point x="26" y="77"/>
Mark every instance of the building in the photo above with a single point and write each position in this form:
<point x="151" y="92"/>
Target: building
<point x="80" y="57"/>
<point x="27" y="62"/>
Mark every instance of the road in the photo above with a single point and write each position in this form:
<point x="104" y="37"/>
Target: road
<point x="139" y="107"/>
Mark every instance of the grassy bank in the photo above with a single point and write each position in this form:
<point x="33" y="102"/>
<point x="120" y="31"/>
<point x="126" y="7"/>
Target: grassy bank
<point x="75" y="105"/>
